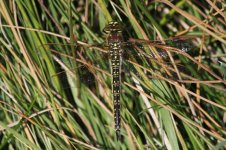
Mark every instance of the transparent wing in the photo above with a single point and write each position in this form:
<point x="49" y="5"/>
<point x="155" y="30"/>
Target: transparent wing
<point x="158" y="48"/>
<point x="85" y="65"/>
<point x="90" y="59"/>
<point x="153" y="59"/>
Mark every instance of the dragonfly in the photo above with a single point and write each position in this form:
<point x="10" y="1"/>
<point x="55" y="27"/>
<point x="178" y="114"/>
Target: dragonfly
<point x="118" y="49"/>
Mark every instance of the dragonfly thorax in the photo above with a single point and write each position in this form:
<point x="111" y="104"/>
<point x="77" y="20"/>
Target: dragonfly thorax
<point x="114" y="34"/>
<point x="114" y="38"/>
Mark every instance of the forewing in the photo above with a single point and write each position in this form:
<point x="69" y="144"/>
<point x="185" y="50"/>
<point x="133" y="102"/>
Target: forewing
<point x="145" y="47"/>
<point x="154" y="57"/>
<point x="82" y="60"/>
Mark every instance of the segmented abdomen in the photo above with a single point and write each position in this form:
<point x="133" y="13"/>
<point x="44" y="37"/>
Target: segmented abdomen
<point x="115" y="53"/>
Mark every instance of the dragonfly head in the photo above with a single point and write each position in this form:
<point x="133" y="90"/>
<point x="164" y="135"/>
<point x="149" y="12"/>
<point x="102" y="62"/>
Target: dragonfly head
<point x="113" y="27"/>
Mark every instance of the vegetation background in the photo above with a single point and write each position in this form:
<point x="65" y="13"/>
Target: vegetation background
<point x="46" y="102"/>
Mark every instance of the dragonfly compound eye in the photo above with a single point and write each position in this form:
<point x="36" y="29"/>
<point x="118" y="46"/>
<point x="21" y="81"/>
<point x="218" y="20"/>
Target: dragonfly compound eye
<point x="112" y="27"/>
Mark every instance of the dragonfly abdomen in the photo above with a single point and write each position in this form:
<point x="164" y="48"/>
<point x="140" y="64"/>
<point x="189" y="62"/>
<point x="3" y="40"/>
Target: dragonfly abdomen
<point x="116" y="60"/>
<point x="116" y="90"/>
